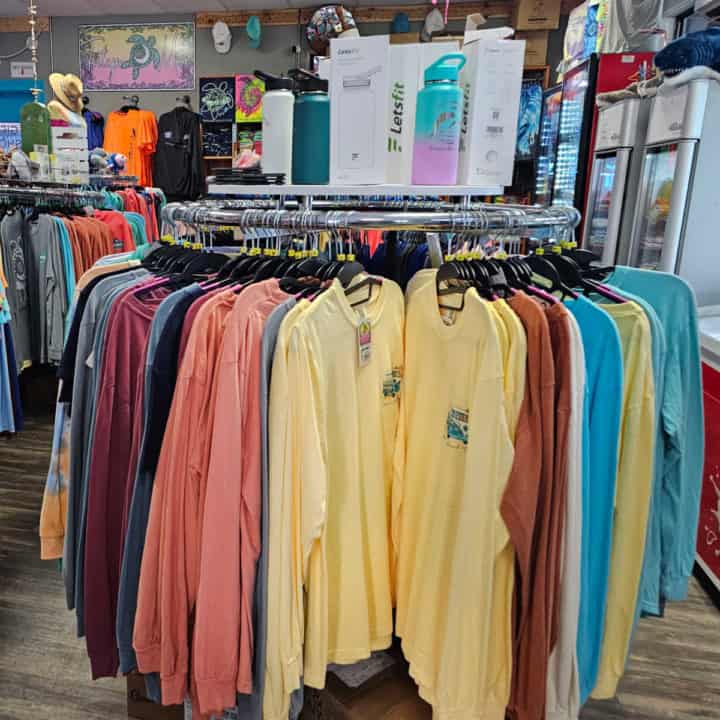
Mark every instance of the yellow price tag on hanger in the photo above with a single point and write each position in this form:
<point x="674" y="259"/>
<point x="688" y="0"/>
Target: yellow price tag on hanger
<point x="291" y="253"/>
<point x="168" y="239"/>
<point x="556" y="249"/>
<point x="540" y="251"/>
<point x="351" y="257"/>
<point x="255" y="251"/>
<point x="197" y="246"/>
<point x="187" y="244"/>
<point x="500" y="255"/>
<point x="314" y="252"/>
<point x="449" y="258"/>
<point x="341" y="257"/>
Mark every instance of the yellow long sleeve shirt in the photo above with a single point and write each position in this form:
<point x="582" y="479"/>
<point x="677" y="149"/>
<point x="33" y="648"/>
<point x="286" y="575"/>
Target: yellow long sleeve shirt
<point x="632" y="492"/>
<point x="454" y="571"/>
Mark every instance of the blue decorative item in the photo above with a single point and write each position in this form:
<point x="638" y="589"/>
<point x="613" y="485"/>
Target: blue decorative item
<point x="531" y="94"/>
<point x="697" y="48"/>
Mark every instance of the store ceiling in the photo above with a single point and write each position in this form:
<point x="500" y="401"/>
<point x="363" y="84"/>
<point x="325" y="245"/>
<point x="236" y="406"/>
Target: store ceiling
<point x="143" y="7"/>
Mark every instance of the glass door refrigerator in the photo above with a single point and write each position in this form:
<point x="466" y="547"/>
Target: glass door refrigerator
<point x="576" y="116"/>
<point x="678" y="209"/>
<point x="615" y="175"/>
<point x="547" y="145"/>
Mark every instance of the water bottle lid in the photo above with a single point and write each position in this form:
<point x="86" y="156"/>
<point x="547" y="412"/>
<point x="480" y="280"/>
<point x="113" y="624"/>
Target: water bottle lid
<point x="275" y="82"/>
<point x="445" y="68"/>
<point x="306" y="81"/>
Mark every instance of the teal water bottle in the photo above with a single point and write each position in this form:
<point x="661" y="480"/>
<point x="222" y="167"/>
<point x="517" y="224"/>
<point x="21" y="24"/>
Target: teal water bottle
<point x="311" y="129"/>
<point x="438" y="120"/>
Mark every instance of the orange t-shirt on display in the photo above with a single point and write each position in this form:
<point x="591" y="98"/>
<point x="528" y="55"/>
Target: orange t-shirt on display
<point x="134" y="134"/>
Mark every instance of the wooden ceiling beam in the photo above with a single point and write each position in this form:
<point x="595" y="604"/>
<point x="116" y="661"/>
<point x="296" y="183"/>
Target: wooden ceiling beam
<point x="22" y="24"/>
<point x="379" y="14"/>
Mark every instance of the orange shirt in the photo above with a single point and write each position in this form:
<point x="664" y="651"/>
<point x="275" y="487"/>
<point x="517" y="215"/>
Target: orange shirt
<point x="169" y="573"/>
<point x="231" y="537"/>
<point x="134" y="134"/>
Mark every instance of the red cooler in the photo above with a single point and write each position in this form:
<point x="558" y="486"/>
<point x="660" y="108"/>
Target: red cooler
<point x="708" y="541"/>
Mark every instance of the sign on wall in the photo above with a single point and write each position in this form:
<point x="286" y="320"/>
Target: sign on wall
<point x="248" y="98"/>
<point x="153" y="56"/>
<point x="217" y="99"/>
<point x="20" y="69"/>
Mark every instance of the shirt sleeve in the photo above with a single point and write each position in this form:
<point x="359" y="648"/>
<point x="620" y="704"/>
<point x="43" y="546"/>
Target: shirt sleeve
<point x="218" y="616"/>
<point x="285" y="609"/>
<point x="310" y="467"/>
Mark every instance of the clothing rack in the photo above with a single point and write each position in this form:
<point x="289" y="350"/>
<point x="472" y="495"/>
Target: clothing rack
<point x="475" y="218"/>
<point x="38" y="195"/>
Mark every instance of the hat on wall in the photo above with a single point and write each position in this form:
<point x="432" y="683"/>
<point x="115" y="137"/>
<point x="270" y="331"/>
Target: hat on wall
<point x="433" y="23"/>
<point x="222" y="37"/>
<point x="254" y="31"/>
<point x="329" y="22"/>
<point x="400" y="23"/>
<point x="68" y="89"/>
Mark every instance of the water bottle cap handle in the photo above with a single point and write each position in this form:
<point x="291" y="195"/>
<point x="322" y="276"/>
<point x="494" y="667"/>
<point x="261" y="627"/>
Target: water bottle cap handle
<point x="446" y="67"/>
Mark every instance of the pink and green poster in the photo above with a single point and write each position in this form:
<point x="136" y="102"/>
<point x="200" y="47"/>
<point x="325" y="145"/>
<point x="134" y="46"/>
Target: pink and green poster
<point x="249" y="91"/>
<point x="153" y="56"/>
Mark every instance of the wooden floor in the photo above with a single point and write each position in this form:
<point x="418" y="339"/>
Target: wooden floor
<point x="674" y="671"/>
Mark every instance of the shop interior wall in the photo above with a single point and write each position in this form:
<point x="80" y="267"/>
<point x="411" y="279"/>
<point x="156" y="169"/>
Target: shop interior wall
<point x="58" y="52"/>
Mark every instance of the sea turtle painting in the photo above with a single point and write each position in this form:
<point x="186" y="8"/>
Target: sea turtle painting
<point x="142" y="53"/>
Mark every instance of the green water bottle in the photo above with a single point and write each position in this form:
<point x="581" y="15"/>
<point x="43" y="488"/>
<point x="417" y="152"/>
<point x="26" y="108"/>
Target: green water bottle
<point x="311" y="129"/>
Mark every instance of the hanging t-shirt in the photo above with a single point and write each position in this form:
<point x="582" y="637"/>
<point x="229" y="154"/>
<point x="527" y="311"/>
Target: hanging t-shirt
<point x="525" y="513"/>
<point x="632" y="492"/>
<point x="603" y="402"/>
<point x="134" y="134"/>
<point x="231" y="524"/>
<point x="453" y="432"/>
<point x="178" y="161"/>
<point x="348" y="364"/>
<point x="682" y="418"/>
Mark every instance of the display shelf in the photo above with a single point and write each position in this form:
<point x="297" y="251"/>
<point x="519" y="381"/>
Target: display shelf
<point x="353" y="190"/>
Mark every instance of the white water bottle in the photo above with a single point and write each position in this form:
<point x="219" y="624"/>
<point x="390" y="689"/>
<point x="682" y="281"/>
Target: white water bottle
<point x="277" y="124"/>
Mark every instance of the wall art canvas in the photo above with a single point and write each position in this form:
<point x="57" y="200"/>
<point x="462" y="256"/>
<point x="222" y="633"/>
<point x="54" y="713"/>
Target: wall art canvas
<point x="217" y="99"/>
<point x="248" y="98"/>
<point x="153" y="56"/>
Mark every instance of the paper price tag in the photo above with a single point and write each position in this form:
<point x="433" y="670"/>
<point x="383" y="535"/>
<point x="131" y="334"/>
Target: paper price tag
<point x="364" y="338"/>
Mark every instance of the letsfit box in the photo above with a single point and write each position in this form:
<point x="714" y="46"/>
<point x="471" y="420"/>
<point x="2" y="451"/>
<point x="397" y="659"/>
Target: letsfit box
<point x="407" y="68"/>
<point x="358" y="110"/>
<point x="491" y="81"/>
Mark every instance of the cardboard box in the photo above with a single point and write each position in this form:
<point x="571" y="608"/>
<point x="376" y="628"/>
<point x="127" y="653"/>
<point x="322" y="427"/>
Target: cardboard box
<point x="407" y="71"/>
<point x="449" y="38"/>
<point x="404" y="38"/>
<point x="536" y="15"/>
<point x="358" y="110"/>
<point x="536" y="47"/>
<point x="491" y="80"/>
<point x="391" y="695"/>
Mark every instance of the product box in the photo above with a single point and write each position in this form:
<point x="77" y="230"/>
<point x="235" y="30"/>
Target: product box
<point x="358" y="110"/>
<point x="491" y="80"/>
<point x="536" y="15"/>
<point x="407" y="70"/>
<point x="404" y="38"/>
<point x="536" y="47"/>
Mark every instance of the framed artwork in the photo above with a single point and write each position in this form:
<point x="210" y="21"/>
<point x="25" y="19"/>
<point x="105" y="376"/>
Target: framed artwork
<point x="217" y="99"/>
<point x="152" y="56"/>
<point x="248" y="98"/>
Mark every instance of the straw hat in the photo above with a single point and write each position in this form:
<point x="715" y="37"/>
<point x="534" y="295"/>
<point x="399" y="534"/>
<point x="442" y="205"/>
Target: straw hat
<point x="68" y="89"/>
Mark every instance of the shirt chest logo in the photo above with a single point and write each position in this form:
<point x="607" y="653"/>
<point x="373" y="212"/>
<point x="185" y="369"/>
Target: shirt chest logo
<point x="391" y="384"/>
<point x="456" y="428"/>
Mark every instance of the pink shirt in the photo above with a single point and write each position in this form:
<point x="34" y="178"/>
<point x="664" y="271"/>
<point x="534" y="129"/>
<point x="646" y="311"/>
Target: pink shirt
<point x="223" y="637"/>
<point x="169" y="574"/>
